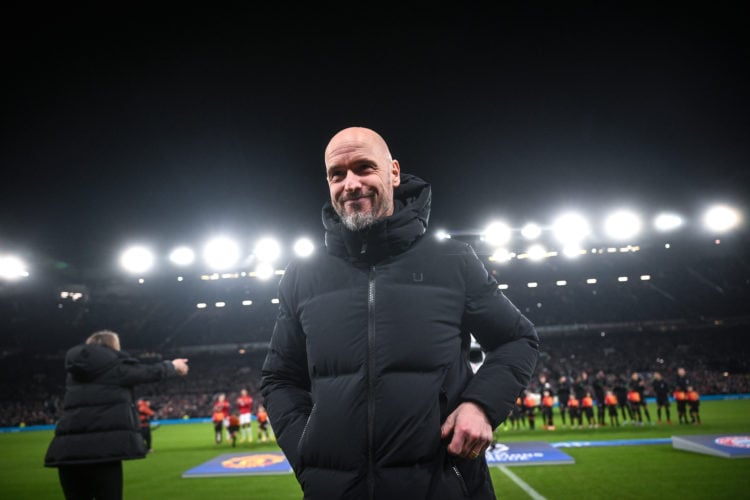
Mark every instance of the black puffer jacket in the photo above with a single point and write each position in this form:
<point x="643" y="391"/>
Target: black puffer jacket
<point x="100" y="420"/>
<point x="370" y="354"/>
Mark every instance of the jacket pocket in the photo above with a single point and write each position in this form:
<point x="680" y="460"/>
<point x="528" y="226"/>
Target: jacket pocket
<point x="448" y="482"/>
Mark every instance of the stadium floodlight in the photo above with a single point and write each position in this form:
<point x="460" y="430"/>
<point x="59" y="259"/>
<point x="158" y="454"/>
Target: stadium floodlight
<point x="501" y="255"/>
<point x="667" y="221"/>
<point x="721" y="218"/>
<point x="497" y="234"/>
<point x="267" y="250"/>
<point x="182" y="256"/>
<point x="12" y="268"/>
<point x="571" y="228"/>
<point x="442" y="235"/>
<point x="572" y="251"/>
<point x="531" y="231"/>
<point x="304" y="247"/>
<point x="264" y="271"/>
<point x="622" y="225"/>
<point x="137" y="259"/>
<point x="221" y="253"/>
<point x="536" y="252"/>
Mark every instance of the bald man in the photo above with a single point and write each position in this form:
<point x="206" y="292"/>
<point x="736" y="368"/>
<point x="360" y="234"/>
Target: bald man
<point x="367" y="379"/>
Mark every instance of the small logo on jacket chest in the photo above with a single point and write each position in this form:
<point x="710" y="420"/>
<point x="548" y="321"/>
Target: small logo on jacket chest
<point x="417" y="277"/>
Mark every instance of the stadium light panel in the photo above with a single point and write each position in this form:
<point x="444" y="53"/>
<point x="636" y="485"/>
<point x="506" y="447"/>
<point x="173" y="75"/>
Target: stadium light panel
<point x="12" y="268"/>
<point x="182" y="256"/>
<point x="531" y="231"/>
<point x="503" y="286"/>
<point x="721" y="218"/>
<point x="536" y="252"/>
<point x="561" y="282"/>
<point x="267" y="250"/>
<point x="497" y="234"/>
<point x="264" y="271"/>
<point x="221" y="253"/>
<point x="442" y="235"/>
<point x="303" y="247"/>
<point x="591" y="281"/>
<point x="573" y="251"/>
<point x="667" y="221"/>
<point x="201" y="305"/>
<point x="571" y="228"/>
<point x="501" y="255"/>
<point x="532" y="284"/>
<point x="622" y="225"/>
<point x="137" y="259"/>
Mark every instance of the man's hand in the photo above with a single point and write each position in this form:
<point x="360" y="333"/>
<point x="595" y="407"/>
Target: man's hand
<point x="472" y="432"/>
<point x="180" y="365"/>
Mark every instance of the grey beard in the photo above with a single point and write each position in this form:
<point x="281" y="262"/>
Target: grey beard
<point x="358" y="221"/>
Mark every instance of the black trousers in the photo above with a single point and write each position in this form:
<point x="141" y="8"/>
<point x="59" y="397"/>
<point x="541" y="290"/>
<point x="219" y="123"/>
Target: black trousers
<point x="92" y="481"/>
<point x="146" y="433"/>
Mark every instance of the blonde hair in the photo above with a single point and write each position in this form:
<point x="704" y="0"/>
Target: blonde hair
<point x="107" y="338"/>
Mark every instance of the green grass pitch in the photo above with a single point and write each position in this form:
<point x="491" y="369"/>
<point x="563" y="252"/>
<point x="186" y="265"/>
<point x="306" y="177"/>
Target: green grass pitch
<point x="649" y="471"/>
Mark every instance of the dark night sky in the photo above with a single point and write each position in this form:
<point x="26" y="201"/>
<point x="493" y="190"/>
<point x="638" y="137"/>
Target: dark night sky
<point x="170" y="126"/>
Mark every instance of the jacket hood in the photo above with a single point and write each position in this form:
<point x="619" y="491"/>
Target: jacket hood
<point x="84" y="362"/>
<point x="386" y="237"/>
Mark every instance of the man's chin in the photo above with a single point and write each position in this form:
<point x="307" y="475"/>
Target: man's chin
<point x="357" y="221"/>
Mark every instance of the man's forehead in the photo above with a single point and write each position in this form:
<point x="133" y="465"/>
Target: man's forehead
<point x="355" y="145"/>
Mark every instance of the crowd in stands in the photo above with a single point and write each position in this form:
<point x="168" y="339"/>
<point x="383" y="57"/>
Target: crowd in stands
<point x="716" y="360"/>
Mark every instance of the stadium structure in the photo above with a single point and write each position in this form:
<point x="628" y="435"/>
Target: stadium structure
<point x="640" y="296"/>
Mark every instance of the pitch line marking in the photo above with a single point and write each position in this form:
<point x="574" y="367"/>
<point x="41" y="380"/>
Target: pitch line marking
<point x="525" y="487"/>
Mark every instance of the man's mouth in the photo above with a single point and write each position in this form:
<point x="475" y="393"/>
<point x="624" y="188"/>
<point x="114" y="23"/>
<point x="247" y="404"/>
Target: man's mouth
<point x="355" y="198"/>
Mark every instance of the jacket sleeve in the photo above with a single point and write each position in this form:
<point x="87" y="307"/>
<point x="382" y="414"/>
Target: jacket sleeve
<point x="130" y="372"/>
<point x="508" y="337"/>
<point x="285" y="382"/>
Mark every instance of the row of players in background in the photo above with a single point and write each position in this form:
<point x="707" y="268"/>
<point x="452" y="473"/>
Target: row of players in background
<point x="578" y="400"/>
<point x="229" y="423"/>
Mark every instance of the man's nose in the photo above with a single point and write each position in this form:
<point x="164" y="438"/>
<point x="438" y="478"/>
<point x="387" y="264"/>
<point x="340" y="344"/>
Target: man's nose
<point x="352" y="182"/>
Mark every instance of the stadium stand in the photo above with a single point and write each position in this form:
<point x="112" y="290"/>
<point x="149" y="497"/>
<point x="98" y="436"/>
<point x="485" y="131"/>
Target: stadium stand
<point x="691" y="311"/>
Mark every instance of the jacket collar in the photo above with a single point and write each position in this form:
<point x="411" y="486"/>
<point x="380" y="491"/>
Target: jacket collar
<point x="387" y="237"/>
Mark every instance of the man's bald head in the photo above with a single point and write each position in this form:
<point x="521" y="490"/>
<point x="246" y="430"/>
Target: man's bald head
<point x="361" y="176"/>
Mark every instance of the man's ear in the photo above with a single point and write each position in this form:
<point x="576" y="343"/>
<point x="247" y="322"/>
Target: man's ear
<point x="395" y="173"/>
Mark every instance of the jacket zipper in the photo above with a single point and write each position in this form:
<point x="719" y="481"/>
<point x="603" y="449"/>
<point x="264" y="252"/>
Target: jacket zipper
<point x="371" y="383"/>
<point x="460" y="478"/>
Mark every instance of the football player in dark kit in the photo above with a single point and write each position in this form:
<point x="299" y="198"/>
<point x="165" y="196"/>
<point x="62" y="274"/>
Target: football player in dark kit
<point x="680" y="394"/>
<point x="661" y="390"/>
<point x="639" y="385"/>
<point x="597" y="385"/>
<point x="563" y="395"/>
